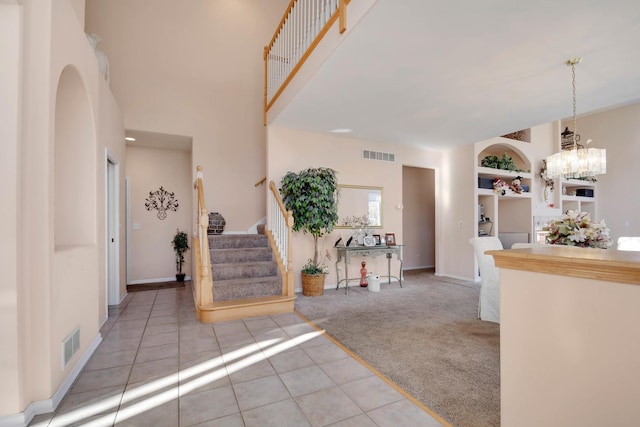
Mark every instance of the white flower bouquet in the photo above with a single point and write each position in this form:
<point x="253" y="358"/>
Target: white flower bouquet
<point x="577" y="229"/>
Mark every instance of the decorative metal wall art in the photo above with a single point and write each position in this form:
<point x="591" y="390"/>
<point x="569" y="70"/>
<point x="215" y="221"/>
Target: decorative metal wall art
<point x="162" y="201"/>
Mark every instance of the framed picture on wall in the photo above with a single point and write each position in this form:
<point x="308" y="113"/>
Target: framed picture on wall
<point x="377" y="239"/>
<point x="390" y="238"/>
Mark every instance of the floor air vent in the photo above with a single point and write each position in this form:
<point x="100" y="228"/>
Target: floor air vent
<point x="378" y="155"/>
<point x="70" y="346"/>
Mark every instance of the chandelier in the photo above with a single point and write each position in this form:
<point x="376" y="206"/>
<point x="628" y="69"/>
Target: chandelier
<point x="576" y="161"/>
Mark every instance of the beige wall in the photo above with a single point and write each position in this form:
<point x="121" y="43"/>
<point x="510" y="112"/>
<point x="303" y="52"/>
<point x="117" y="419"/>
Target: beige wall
<point x="111" y="144"/>
<point x="618" y="197"/>
<point x="418" y="217"/>
<point x="10" y="30"/>
<point x="293" y="150"/>
<point x="568" y="351"/>
<point x="456" y="213"/>
<point x="53" y="116"/>
<point x="151" y="256"/>
<point x="195" y="68"/>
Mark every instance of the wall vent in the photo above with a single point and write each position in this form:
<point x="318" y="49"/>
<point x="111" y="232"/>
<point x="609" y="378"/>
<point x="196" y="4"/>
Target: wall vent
<point x="70" y="346"/>
<point x="378" y="155"/>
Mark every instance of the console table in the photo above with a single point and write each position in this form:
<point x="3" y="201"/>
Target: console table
<point x="345" y="253"/>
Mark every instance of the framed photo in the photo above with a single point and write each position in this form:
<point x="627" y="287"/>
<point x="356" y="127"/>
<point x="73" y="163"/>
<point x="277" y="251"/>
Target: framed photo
<point x="390" y="238"/>
<point x="369" y="241"/>
<point x="376" y="237"/>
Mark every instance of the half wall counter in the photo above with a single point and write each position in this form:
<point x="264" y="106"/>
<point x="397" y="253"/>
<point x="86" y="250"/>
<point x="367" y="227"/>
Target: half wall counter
<point x="569" y="336"/>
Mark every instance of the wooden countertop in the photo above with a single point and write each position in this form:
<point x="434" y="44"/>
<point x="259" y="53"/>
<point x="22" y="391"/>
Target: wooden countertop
<point x="599" y="264"/>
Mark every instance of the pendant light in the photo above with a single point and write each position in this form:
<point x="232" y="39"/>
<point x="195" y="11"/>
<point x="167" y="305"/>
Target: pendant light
<point x="576" y="161"/>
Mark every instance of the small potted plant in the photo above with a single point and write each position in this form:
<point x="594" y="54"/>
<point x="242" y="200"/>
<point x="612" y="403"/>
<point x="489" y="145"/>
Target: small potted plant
<point x="180" y="244"/>
<point x="311" y="195"/>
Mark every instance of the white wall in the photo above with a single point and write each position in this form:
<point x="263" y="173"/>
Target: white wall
<point x="151" y="256"/>
<point x="195" y="68"/>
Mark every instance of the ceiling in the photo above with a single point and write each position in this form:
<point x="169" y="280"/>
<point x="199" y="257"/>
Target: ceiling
<point x="438" y="74"/>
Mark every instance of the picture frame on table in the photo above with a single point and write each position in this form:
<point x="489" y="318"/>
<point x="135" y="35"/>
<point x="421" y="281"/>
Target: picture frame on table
<point x="369" y="241"/>
<point x="390" y="239"/>
<point x="377" y="239"/>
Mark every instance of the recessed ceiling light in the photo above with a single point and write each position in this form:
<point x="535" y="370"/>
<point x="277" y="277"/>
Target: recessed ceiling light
<point x="129" y="138"/>
<point x="341" y="130"/>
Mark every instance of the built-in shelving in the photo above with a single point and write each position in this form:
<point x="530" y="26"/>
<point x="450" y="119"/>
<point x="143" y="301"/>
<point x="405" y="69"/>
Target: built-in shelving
<point x="507" y="214"/>
<point x="573" y="202"/>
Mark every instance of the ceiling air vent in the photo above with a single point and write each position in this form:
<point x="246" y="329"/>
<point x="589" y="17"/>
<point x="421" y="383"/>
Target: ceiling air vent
<point x="378" y="155"/>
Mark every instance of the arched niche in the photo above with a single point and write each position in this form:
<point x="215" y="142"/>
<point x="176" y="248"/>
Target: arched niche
<point x="74" y="163"/>
<point x="519" y="157"/>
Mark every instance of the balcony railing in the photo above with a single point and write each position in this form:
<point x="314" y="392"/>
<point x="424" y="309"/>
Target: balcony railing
<point x="302" y="27"/>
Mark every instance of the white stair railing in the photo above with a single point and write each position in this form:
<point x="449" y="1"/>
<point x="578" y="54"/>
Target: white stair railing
<point x="303" y="25"/>
<point x="279" y="230"/>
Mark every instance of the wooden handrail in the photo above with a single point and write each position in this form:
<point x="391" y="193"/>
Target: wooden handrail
<point x="278" y="199"/>
<point x="262" y="181"/>
<point x="281" y="24"/>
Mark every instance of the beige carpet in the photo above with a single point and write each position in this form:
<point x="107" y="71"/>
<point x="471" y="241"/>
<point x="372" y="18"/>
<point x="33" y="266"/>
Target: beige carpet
<point x="425" y="337"/>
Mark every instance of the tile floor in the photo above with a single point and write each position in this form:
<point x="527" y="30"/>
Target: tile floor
<point x="157" y="366"/>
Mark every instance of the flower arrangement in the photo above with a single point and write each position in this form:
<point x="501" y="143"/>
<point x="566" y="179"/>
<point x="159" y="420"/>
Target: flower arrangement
<point x="548" y="182"/>
<point x="577" y="229"/>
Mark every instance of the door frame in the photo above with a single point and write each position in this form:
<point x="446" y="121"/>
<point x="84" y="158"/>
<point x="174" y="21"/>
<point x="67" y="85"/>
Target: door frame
<point x="112" y="230"/>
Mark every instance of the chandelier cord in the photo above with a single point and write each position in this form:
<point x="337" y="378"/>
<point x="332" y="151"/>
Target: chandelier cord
<point x="575" y="120"/>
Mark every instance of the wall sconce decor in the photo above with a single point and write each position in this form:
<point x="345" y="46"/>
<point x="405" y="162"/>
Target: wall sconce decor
<point x="162" y="201"/>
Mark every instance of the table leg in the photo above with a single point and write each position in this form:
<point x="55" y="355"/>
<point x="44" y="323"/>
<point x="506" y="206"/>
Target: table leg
<point x="389" y="268"/>
<point x="338" y="273"/>
<point x="346" y="275"/>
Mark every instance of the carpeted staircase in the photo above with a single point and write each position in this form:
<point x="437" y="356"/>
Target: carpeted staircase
<point x="243" y="266"/>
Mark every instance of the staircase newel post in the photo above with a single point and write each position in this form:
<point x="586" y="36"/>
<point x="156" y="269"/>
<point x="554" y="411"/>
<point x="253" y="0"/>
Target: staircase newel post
<point x="206" y="282"/>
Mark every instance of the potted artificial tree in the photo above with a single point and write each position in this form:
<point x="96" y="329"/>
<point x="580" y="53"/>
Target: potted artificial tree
<point x="311" y="195"/>
<point x="180" y="244"/>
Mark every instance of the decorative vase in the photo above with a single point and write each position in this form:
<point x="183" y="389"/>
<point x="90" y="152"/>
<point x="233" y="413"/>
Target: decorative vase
<point x="363" y="275"/>
<point x="216" y="223"/>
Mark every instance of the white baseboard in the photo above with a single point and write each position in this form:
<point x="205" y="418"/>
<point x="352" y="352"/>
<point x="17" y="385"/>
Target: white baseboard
<point x="254" y="227"/>
<point x="159" y="280"/>
<point x="421" y="267"/>
<point x="453" y="276"/>
<point x="49" y="405"/>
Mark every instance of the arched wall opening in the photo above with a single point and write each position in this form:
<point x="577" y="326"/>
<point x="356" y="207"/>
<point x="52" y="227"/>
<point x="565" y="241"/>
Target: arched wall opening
<point x="74" y="164"/>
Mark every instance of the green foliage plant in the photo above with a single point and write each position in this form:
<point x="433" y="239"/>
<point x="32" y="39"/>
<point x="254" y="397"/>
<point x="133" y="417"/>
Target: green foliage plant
<point x="311" y="195"/>
<point x="180" y="244"/>
<point x="504" y="162"/>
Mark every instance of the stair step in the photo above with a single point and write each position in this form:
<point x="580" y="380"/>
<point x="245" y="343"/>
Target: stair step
<point x="239" y="255"/>
<point x="244" y="270"/>
<point x="245" y="308"/>
<point x="233" y="289"/>
<point x="229" y="241"/>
